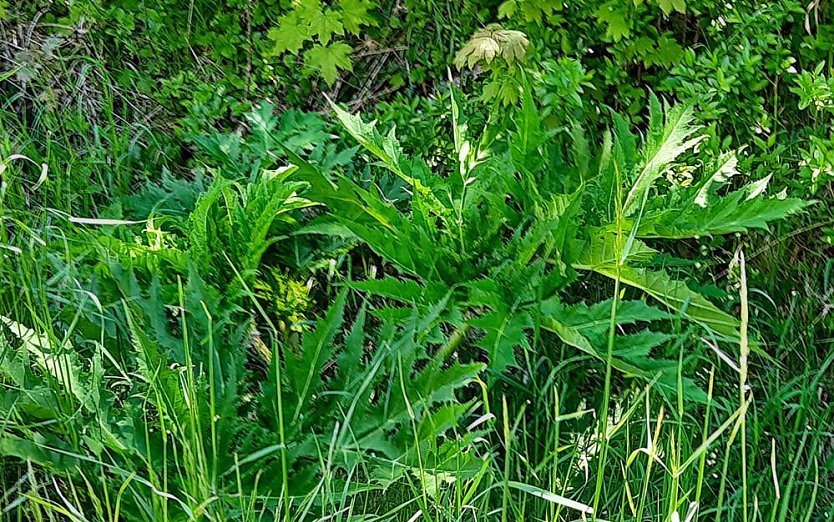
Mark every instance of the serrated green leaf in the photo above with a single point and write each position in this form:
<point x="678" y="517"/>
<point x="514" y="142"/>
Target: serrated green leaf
<point x="670" y="135"/>
<point x="307" y="9"/>
<point x="304" y="370"/>
<point x="329" y="60"/>
<point x="678" y="297"/>
<point x="586" y="328"/>
<point x="722" y="172"/>
<point x="672" y="5"/>
<point x="636" y="347"/>
<point x="616" y="18"/>
<point x="26" y="450"/>
<point x="405" y="291"/>
<point x="666" y="52"/>
<point x="349" y="361"/>
<point x="572" y="337"/>
<point x="60" y="362"/>
<point x="505" y="330"/>
<point x="507" y="9"/>
<point x="290" y="34"/>
<point x="596" y="318"/>
<point x="355" y="14"/>
<point x="727" y="215"/>
<point x="602" y="249"/>
<point x="386" y="148"/>
<point x="325" y="24"/>
<point x="757" y="188"/>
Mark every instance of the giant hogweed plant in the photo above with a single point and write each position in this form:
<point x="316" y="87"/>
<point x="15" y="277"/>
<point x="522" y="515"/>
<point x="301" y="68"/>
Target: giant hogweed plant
<point x="524" y="216"/>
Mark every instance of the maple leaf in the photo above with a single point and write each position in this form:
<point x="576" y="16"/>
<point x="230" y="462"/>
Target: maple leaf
<point x="667" y="52"/>
<point x="616" y="19"/>
<point x="642" y="45"/>
<point x="325" y="24"/>
<point x="290" y="34"/>
<point x="507" y="9"/>
<point x="532" y="10"/>
<point x="490" y="42"/>
<point x="667" y="6"/>
<point x="322" y="24"/>
<point x="327" y="60"/>
<point x="355" y="14"/>
<point x="308" y="9"/>
<point x="537" y="10"/>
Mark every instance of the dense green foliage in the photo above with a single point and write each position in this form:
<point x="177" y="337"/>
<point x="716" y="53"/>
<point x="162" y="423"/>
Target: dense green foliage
<point x="454" y="260"/>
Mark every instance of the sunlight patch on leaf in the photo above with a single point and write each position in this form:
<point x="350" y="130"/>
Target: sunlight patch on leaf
<point x="490" y="43"/>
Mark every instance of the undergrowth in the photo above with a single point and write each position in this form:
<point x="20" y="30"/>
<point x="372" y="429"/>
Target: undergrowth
<point x="575" y="266"/>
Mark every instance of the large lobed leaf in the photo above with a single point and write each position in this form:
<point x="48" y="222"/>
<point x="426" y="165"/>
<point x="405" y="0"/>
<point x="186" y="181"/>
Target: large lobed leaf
<point x="736" y="212"/>
<point x="670" y="134"/>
